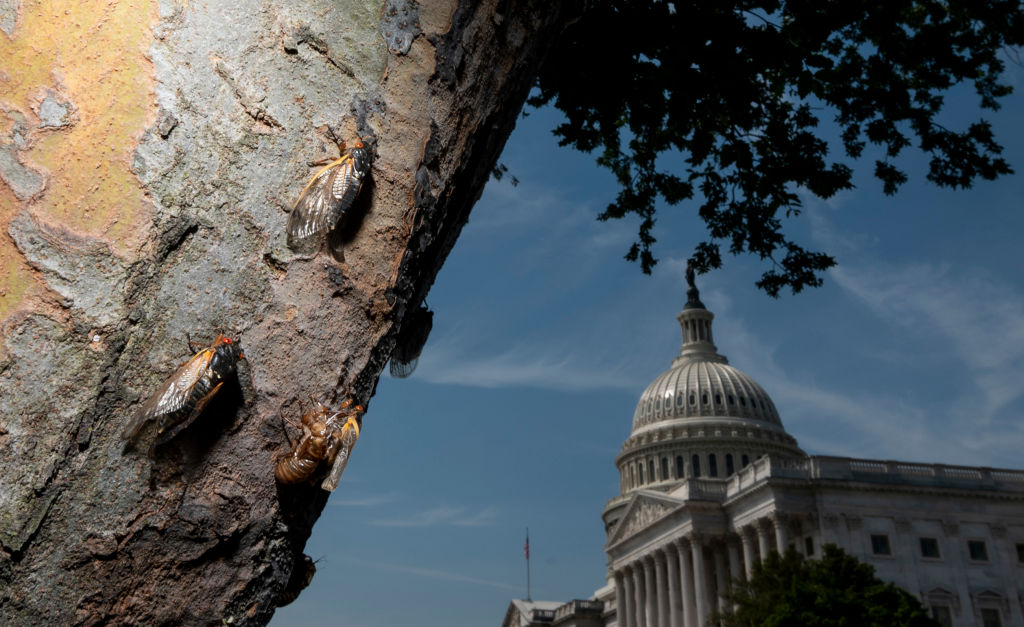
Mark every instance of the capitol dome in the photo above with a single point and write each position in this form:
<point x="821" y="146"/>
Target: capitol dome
<point x="702" y="419"/>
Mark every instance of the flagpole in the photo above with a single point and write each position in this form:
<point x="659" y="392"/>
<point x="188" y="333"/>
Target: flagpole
<point x="526" y="549"/>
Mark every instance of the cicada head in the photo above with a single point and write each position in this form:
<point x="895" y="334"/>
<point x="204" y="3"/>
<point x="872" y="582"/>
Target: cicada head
<point x="227" y="354"/>
<point x="362" y="159"/>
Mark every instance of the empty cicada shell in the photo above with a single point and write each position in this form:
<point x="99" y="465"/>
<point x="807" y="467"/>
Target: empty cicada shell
<point x="327" y="436"/>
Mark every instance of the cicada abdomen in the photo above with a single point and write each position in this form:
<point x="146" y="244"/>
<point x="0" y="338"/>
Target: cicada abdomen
<point x="325" y="203"/>
<point x="182" y="397"/>
<point x="302" y="461"/>
<point x="411" y="339"/>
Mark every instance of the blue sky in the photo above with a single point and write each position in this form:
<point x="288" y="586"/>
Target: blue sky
<point x="544" y="339"/>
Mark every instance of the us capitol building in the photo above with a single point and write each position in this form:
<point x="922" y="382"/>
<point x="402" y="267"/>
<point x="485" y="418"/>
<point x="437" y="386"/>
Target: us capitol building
<point x="710" y="482"/>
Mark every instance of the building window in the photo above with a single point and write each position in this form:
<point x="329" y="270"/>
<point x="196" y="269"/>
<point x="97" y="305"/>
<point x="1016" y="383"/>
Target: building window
<point x="942" y="615"/>
<point x="640" y="472"/>
<point x="809" y="546"/>
<point x="745" y="461"/>
<point x="664" y="468"/>
<point x="732" y="401"/>
<point x="743" y="401"/>
<point x="990" y="617"/>
<point x="693" y="399"/>
<point x="712" y="465"/>
<point x="718" y="399"/>
<point x="729" y="468"/>
<point x="880" y="544"/>
<point x="696" y="465"/>
<point x="704" y="399"/>
<point x="930" y="548"/>
<point x="679" y="400"/>
<point x="680" y="473"/>
<point x="650" y="471"/>
<point x="977" y="550"/>
<point x="1020" y="553"/>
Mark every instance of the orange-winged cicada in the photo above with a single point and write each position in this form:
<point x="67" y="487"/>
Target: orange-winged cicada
<point x="324" y="204"/>
<point x="327" y="436"/>
<point x="186" y="392"/>
<point x="409" y="344"/>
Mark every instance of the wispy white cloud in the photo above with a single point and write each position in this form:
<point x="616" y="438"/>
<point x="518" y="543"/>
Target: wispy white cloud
<point x="432" y="573"/>
<point x="545" y="366"/>
<point x="979" y="319"/>
<point x="366" y="501"/>
<point x="442" y="515"/>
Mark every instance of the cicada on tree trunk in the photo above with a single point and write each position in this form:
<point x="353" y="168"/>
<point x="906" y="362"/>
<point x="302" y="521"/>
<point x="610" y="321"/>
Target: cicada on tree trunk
<point x="182" y="397"/>
<point x="325" y="203"/>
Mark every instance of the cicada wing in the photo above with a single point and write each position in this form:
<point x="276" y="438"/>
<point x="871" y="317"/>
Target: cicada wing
<point x="174" y="429"/>
<point x="402" y="369"/>
<point x="346" y="442"/>
<point x="172" y="394"/>
<point x="316" y="210"/>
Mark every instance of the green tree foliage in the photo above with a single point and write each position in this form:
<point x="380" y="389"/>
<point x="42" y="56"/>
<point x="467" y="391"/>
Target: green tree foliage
<point x="835" y="591"/>
<point x="720" y="103"/>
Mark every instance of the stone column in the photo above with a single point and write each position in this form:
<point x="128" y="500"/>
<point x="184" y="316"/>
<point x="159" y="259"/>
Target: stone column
<point x="735" y="566"/>
<point x="748" y="551"/>
<point x="721" y="577"/>
<point x="686" y="583"/>
<point x="781" y="535"/>
<point x="651" y="593"/>
<point x="763" y="543"/>
<point x="660" y="578"/>
<point x="638" y="595"/>
<point x="620" y="599"/>
<point x="700" y="582"/>
<point x="675" y="590"/>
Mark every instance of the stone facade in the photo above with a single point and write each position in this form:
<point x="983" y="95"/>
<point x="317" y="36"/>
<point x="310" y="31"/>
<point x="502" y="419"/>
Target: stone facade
<point x="710" y="482"/>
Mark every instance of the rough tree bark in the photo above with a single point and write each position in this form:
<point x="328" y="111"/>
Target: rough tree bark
<point x="150" y="151"/>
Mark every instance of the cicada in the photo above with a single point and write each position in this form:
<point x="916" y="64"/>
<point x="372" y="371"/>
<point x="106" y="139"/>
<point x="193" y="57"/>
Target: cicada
<point x="411" y="339"/>
<point x="301" y="577"/>
<point x="327" y="436"/>
<point x="182" y="397"/>
<point x="324" y="204"/>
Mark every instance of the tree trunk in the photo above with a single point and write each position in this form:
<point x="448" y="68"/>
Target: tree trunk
<point x="150" y="151"/>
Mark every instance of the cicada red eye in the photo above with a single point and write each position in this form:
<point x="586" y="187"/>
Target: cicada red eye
<point x="227" y="340"/>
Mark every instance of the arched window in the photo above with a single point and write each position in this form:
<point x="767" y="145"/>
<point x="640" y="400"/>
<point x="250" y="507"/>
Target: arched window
<point x="680" y="473"/>
<point x="632" y="476"/>
<point x="729" y="468"/>
<point x="712" y="465"/>
<point x="640" y="472"/>
<point x="745" y="461"/>
<point x="664" y="468"/>
<point x="650" y="473"/>
<point x="704" y="398"/>
<point x="718" y="399"/>
<point x="696" y="465"/>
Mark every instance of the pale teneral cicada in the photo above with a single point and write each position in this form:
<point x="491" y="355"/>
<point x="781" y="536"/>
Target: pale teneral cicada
<point x="327" y="436"/>
<point x="184" y="394"/>
<point x="325" y="203"/>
